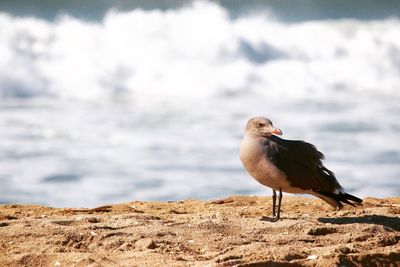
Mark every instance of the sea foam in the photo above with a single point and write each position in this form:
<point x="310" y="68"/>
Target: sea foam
<point x="193" y="53"/>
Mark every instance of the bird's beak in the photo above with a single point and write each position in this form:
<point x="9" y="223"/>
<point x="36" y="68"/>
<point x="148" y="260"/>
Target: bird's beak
<point x="276" y="131"/>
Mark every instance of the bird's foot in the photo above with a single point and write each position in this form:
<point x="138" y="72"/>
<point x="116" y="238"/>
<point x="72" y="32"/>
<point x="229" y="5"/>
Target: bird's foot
<point x="270" y="219"/>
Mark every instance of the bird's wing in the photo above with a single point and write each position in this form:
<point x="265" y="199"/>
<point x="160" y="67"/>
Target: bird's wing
<point x="302" y="164"/>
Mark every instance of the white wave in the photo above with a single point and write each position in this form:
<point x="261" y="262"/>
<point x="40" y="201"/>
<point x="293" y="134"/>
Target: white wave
<point x="193" y="53"/>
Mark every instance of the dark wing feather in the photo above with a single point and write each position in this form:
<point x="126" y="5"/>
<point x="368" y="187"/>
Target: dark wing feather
<point x="302" y="164"/>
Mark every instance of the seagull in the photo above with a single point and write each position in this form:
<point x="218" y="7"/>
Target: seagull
<point x="290" y="166"/>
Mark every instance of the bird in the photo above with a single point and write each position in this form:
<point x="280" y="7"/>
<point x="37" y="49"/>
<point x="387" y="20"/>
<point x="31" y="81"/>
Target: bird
<point x="291" y="166"/>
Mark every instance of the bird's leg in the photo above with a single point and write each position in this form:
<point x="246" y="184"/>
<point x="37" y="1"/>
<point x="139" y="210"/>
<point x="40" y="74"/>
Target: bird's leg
<point x="273" y="202"/>
<point x="279" y="204"/>
<point x="275" y="215"/>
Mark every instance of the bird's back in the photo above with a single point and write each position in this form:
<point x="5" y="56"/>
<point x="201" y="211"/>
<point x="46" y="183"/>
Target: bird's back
<point x="302" y="164"/>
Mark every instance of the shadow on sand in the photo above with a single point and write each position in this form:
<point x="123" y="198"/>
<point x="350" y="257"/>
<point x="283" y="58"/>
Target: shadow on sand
<point x="390" y="222"/>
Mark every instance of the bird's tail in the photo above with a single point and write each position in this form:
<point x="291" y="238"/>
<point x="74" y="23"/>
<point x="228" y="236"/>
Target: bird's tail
<point x="337" y="200"/>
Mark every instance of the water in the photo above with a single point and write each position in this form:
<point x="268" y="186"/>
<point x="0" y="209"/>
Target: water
<point x="149" y="100"/>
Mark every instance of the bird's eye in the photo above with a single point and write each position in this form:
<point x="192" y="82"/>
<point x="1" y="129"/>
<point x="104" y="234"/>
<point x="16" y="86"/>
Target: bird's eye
<point x="260" y="124"/>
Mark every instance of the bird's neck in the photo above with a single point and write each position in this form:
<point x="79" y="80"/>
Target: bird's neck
<point x="254" y="136"/>
<point x="251" y="141"/>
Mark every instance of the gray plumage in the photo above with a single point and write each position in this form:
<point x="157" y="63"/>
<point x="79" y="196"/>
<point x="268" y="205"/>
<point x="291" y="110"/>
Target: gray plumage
<point x="289" y="165"/>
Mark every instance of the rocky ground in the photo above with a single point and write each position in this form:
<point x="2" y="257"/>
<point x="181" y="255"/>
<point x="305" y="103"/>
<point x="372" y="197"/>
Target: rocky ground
<point x="226" y="232"/>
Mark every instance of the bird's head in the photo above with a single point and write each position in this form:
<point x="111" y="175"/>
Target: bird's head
<point x="261" y="126"/>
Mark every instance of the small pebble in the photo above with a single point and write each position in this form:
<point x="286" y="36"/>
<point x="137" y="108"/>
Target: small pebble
<point x="312" y="257"/>
<point x="57" y="263"/>
<point x="92" y="220"/>
<point x="145" y="243"/>
<point x="344" y="250"/>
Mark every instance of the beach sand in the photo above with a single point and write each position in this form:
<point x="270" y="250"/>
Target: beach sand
<point x="226" y="232"/>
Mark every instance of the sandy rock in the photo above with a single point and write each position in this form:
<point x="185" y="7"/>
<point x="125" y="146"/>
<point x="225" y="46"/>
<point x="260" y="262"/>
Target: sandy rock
<point x="224" y="232"/>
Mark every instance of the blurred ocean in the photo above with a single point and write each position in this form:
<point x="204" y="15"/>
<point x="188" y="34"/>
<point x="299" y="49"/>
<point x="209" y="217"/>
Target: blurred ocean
<point x="110" y="101"/>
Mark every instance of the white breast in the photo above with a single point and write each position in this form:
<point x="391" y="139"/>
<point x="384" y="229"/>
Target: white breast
<point x="256" y="162"/>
